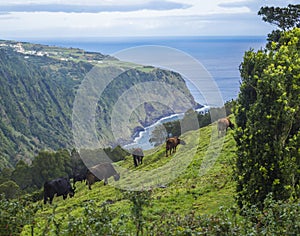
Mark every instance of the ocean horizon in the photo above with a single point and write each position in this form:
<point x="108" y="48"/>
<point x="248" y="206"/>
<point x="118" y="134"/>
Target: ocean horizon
<point x="220" y="55"/>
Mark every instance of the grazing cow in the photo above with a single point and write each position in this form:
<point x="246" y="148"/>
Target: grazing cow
<point x="223" y="125"/>
<point x="79" y="175"/>
<point x="60" y="186"/>
<point x="171" y="144"/>
<point x="137" y="155"/>
<point x="100" y="172"/>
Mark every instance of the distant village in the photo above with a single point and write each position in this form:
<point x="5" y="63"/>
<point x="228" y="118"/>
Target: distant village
<point x="95" y="58"/>
<point x="19" y="48"/>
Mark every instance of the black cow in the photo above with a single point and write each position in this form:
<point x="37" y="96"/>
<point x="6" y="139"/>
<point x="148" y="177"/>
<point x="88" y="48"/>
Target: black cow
<point x="79" y="175"/>
<point x="137" y="155"/>
<point x="60" y="187"/>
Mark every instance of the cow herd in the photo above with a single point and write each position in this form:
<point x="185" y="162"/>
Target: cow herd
<point x="62" y="186"/>
<point x="103" y="171"/>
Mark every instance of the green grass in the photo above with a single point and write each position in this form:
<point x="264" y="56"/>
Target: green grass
<point x="185" y="185"/>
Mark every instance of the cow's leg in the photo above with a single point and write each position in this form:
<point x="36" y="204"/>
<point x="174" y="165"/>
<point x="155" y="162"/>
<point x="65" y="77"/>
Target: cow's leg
<point x="65" y="196"/>
<point x="51" y="199"/>
<point x="88" y="182"/>
<point x="45" y="199"/>
<point x="141" y="159"/>
<point x="168" y="150"/>
<point x="105" y="181"/>
<point x="135" y="160"/>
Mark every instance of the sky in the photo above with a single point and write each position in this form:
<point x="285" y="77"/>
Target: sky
<point x="121" y="18"/>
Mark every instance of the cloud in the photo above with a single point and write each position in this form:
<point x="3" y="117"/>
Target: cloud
<point x="94" y="18"/>
<point x="87" y="8"/>
<point x="255" y="5"/>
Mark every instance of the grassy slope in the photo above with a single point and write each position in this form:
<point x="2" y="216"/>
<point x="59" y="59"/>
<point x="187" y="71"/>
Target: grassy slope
<point x="190" y="191"/>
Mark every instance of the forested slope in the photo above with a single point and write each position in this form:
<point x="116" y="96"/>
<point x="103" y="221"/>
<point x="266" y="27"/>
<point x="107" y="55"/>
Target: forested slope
<point x="38" y="87"/>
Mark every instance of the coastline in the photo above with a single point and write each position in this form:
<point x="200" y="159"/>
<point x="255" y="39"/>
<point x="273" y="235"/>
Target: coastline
<point x="142" y="139"/>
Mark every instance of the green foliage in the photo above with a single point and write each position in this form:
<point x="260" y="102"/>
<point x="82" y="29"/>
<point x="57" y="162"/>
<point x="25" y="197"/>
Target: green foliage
<point x="37" y="95"/>
<point x="267" y="115"/>
<point x="36" y="103"/>
<point x="10" y="189"/>
<point x="15" y="214"/>
<point x="22" y="175"/>
<point x="284" y="17"/>
<point x="50" y="165"/>
<point x="116" y="154"/>
<point x="139" y="200"/>
<point x="94" y="220"/>
<point x="278" y="218"/>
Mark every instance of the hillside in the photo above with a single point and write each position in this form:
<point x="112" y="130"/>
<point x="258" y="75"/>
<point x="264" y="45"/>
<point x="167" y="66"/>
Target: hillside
<point x="38" y="88"/>
<point x="190" y="192"/>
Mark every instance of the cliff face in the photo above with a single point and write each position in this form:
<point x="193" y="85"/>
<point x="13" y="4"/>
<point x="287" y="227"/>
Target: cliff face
<point x="38" y="87"/>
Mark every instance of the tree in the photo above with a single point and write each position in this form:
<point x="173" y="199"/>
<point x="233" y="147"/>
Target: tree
<point x="22" y="175"/>
<point x="267" y="115"/>
<point x="285" y="18"/>
<point x="10" y="189"/>
<point x="50" y="165"/>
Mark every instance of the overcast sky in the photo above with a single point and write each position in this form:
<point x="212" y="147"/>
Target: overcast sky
<point x="97" y="18"/>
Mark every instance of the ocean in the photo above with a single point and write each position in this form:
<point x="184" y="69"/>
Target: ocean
<point x="220" y="56"/>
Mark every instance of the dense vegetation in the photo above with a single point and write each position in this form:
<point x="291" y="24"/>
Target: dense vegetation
<point x="267" y="115"/>
<point x="37" y="95"/>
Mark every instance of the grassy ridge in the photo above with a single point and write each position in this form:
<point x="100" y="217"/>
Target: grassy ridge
<point x="192" y="190"/>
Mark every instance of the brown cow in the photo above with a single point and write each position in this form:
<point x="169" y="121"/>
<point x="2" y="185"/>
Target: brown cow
<point x="100" y="172"/>
<point x="137" y="155"/>
<point x="223" y="125"/>
<point x="171" y="144"/>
